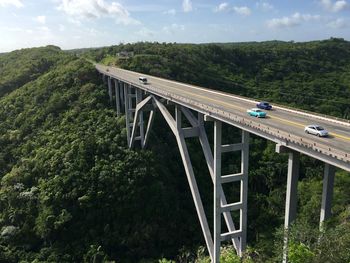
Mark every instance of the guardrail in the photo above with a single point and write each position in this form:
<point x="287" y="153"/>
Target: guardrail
<point x="320" y="116"/>
<point x="213" y="111"/>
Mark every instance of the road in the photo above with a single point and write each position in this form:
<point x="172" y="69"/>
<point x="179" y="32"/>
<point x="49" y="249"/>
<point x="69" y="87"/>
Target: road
<point x="284" y="119"/>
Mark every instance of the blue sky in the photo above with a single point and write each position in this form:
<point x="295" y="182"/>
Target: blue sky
<point x="92" y="23"/>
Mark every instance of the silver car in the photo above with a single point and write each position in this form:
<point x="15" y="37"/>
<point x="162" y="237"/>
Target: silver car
<point x="316" y="130"/>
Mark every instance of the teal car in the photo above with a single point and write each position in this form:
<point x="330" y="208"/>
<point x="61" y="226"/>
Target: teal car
<point x="255" y="112"/>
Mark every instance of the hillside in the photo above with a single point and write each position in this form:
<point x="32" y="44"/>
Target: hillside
<point x="25" y="65"/>
<point x="71" y="191"/>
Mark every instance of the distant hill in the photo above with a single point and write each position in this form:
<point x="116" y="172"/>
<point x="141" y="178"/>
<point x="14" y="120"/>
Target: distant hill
<point x="21" y="66"/>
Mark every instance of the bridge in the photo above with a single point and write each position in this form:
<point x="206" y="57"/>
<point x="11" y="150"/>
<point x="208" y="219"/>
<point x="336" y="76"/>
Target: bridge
<point x="283" y="126"/>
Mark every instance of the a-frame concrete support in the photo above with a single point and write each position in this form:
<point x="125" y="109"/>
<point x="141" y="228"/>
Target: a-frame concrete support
<point x="197" y="129"/>
<point x="141" y="107"/>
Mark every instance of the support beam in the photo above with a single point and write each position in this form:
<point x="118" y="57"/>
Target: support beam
<point x="127" y="113"/>
<point x="122" y="96"/>
<point x="327" y="193"/>
<point x="244" y="190"/>
<point x="193" y="184"/>
<point x="141" y="121"/>
<point x="117" y="96"/>
<point x="291" y="198"/>
<point x="217" y="192"/>
<point x="110" y="90"/>
<point x="292" y="189"/>
<point x="149" y="127"/>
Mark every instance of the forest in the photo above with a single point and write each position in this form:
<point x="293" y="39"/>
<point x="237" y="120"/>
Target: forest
<point x="71" y="190"/>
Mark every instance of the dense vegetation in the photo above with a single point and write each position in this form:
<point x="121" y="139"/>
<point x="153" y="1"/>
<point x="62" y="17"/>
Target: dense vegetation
<point x="20" y="66"/>
<point x="71" y="191"/>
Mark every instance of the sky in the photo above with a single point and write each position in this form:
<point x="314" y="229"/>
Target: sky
<point x="93" y="23"/>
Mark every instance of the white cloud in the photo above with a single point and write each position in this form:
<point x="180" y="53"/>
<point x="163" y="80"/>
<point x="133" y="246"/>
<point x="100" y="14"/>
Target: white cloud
<point x="170" y="12"/>
<point x="41" y="19"/>
<point x="173" y="28"/>
<point x="264" y="6"/>
<point x="242" y="10"/>
<point x="222" y="7"/>
<point x="290" y="21"/>
<point x="225" y="7"/>
<point x="334" y="7"/>
<point x="187" y="6"/>
<point x="79" y="9"/>
<point x="16" y="3"/>
<point x="338" y="23"/>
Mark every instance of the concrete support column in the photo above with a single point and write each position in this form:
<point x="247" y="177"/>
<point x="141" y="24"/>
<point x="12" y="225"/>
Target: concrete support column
<point x="217" y="190"/>
<point x="117" y="96"/>
<point x="110" y="90"/>
<point x="291" y="197"/>
<point x="122" y="97"/>
<point x="141" y="120"/>
<point x="292" y="188"/>
<point x="244" y="190"/>
<point x="327" y="193"/>
<point x="130" y="97"/>
<point x="127" y="112"/>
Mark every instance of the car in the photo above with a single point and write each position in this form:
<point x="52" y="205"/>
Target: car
<point x="264" y="105"/>
<point x="143" y="80"/>
<point x="316" y="130"/>
<point x="255" y="112"/>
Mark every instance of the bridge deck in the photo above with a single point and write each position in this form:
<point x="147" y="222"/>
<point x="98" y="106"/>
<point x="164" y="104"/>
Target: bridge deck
<point x="283" y="125"/>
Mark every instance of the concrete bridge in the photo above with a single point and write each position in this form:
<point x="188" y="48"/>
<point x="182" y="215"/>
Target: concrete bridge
<point x="284" y="126"/>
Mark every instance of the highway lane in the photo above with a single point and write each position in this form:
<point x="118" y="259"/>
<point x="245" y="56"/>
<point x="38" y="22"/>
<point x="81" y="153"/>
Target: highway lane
<point x="278" y="118"/>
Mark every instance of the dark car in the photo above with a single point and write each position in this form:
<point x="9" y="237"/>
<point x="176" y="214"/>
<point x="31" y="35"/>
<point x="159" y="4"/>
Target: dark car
<point x="264" y="105"/>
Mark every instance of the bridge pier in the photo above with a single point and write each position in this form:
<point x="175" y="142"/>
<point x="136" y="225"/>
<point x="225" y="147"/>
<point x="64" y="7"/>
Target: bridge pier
<point x="110" y="90"/>
<point x="117" y="96"/>
<point x="291" y="194"/>
<point x="221" y="207"/>
<point x="128" y="111"/>
<point x="327" y="193"/>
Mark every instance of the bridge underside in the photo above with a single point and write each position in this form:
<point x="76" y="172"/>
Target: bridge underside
<point x="136" y="104"/>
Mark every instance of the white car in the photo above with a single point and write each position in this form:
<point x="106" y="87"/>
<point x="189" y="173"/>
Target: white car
<point x="143" y="80"/>
<point x="316" y="130"/>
